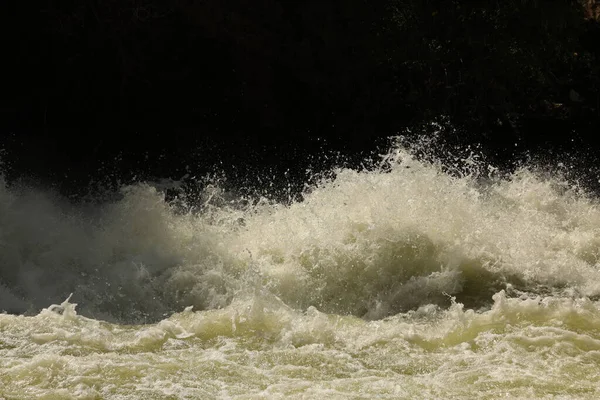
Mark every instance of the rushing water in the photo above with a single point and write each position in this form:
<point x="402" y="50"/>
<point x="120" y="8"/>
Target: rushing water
<point x="404" y="281"/>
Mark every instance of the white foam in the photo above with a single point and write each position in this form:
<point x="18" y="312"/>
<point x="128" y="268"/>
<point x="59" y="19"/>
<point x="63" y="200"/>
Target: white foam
<point x="367" y="243"/>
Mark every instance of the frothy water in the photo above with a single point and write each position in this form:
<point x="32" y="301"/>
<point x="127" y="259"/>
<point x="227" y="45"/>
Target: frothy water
<point x="405" y="280"/>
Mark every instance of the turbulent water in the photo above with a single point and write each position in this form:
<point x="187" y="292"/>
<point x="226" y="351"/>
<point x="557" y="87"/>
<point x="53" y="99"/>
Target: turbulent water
<point x="403" y="281"/>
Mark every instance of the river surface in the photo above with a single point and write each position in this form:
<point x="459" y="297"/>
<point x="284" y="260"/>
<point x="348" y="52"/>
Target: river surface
<point x="405" y="281"/>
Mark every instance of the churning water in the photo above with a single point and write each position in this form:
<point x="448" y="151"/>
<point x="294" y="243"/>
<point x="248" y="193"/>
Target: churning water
<point x="406" y="280"/>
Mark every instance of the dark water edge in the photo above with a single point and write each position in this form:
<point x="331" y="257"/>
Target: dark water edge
<point x="279" y="167"/>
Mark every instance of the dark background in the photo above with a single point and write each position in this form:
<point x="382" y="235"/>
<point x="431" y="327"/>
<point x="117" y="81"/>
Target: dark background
<point x="120" y="89"/>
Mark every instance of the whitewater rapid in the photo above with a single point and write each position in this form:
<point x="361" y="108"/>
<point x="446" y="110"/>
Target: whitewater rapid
<point x="403" y="280"/>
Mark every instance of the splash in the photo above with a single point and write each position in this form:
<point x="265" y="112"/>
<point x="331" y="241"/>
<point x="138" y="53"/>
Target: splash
<point x="407" y="232"/>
